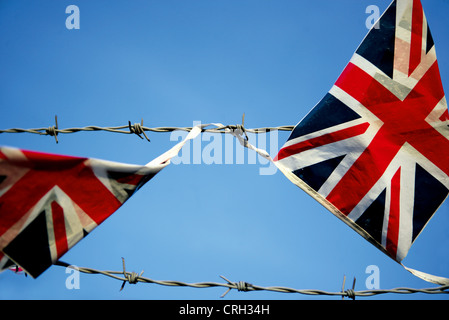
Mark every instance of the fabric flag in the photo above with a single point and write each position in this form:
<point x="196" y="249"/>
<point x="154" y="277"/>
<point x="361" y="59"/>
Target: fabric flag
<point x="50" y="202"/>
<point x="375" y="149"/>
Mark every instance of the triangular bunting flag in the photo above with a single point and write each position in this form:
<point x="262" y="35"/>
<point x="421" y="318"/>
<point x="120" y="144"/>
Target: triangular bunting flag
<point x="375" y="149"/>
<point x="50" y="202"/>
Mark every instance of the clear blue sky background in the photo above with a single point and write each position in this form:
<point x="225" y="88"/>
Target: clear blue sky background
<point x="173" y="63"/>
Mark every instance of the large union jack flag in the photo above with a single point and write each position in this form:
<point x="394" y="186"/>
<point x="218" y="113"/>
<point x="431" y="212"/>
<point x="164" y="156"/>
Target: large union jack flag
<point x="50" y="202"/>
<point x="375" y="149"/>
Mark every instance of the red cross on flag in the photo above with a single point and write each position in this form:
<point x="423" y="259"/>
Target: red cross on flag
<point x="375" y="149"/>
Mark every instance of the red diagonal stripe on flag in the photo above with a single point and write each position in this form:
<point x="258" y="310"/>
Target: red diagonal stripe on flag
<point x="322" y="140"/>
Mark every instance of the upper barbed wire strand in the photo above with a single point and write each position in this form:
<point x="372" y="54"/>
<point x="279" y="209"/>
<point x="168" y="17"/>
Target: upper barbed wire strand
<point x="119" y="129"/>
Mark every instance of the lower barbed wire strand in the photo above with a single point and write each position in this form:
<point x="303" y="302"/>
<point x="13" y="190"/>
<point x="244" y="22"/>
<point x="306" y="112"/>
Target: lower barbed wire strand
<point x="134" y="278"/>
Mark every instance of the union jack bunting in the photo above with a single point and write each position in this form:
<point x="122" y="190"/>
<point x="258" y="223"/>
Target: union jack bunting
<point x="375" y="149"/>
<point x="50" y="202"/>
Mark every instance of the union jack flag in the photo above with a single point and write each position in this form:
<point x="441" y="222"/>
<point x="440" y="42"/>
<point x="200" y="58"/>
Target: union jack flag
<point x="50" y="202"/>
<point x="375" y="149"/>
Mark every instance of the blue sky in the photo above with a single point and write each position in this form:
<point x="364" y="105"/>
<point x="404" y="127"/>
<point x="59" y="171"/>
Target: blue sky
<point x="174" y="63"/>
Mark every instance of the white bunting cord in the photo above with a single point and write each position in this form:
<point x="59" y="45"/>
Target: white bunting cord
<point x="428" y="277"/>
<point x="167" y="156"/>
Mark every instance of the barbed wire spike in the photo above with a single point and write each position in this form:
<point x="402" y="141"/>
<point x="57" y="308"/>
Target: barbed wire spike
<point x="242" y="127"/>
<point x="53" y="131"/>
<point x="350" y="293"/>
<point x="240" y="286"/>
<point x="353" y="286"/>
<point x="131" y="277"/>
<point x="343" y="287"/>
<point x="138" y="129"/>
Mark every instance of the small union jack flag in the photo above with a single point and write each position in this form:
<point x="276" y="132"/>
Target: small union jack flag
<point x="375" y="149"/>
<point x="50" y="202"/>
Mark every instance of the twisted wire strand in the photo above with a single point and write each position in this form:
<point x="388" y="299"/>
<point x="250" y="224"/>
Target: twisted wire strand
<point x="133" y="278"/>
<point x="138" y="128"/>
<point x="119" y="129"/>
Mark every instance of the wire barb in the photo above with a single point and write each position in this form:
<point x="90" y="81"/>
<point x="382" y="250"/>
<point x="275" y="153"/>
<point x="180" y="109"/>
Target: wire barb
<point x="240" y="128"/>
<point x="53" y="131"/>
<point x="350" y="293"/>
<point x="240" y="286"/>
<point x="131" y="277"/>
<point x="138" y="129"/>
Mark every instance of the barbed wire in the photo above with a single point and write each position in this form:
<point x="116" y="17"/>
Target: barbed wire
<point x="139" y="129"/>
<point x="242" y="286"/>
<point x="133" y="278"/>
